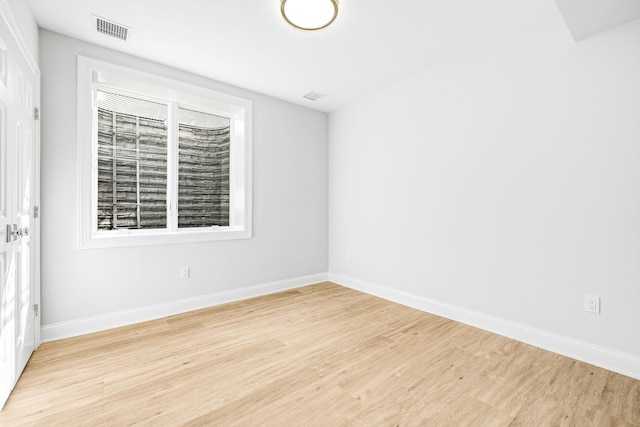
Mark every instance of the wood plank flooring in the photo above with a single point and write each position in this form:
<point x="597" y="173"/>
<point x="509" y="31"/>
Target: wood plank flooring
<point x="321" y="355"/>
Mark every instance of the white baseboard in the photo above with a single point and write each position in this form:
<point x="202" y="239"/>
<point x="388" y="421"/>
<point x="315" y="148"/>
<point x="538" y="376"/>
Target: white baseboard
<point x="57" y="331"/>
<point x="603" y="357"/>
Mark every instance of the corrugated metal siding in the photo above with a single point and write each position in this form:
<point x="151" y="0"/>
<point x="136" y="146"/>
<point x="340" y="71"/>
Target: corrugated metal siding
<point x="203" y="170"/>
<point x="135" y="195"/>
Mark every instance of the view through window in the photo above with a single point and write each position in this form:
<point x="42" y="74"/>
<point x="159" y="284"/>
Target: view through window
<point x="134" y="177"/>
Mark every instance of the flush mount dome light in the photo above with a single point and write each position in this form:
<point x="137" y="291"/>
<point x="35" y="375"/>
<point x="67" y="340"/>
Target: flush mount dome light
<point x="309" y="15"/>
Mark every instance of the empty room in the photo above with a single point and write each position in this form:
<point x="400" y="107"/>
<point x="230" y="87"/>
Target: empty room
<point x="320" y="213"/>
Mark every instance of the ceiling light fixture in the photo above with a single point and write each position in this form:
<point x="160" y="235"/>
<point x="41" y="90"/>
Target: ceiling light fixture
<point x="309" y="15"/>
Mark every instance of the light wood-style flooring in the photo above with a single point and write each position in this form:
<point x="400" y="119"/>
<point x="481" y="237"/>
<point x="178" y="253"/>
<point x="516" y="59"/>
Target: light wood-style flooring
<point x="321" y="355"/>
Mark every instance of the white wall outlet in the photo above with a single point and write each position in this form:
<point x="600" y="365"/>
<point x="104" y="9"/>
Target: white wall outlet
<point x="349" y="257"/>
<point x="185" y="273"/>
<point x="592" y="304"/>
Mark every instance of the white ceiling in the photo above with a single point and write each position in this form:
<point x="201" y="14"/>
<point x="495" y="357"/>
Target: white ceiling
<point x="589" y="17"/>
<point x="246" y="43"/>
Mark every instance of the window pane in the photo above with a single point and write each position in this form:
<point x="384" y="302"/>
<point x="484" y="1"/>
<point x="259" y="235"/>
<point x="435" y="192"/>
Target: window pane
<point x="203" y="169"/>
<point x="132" y="163"/>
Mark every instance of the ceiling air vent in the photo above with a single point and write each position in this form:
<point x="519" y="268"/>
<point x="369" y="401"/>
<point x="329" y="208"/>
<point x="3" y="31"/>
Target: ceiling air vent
<point x="314" y="96"/>
<point x="110" y="28"/>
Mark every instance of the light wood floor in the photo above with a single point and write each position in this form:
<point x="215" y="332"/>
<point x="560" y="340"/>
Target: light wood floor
<point x="321" y="355"/>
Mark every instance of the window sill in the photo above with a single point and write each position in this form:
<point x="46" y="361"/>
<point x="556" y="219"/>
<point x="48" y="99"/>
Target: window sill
<point x="135" y="238"/>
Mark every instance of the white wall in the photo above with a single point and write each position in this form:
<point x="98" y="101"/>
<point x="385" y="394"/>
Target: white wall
<point x="289" y="215"/>
<point x="505" y="183"/>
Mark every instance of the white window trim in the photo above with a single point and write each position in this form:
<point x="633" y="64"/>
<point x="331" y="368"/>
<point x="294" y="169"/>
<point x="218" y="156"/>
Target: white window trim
<point x="186" y="94"/>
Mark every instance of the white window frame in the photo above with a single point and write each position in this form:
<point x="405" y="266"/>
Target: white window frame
<point x="94" y="73"/>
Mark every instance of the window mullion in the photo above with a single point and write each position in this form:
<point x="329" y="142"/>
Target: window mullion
<point x="138" y="200"/>
<point x="172" y="168"/>
<point x="114" y="161"/>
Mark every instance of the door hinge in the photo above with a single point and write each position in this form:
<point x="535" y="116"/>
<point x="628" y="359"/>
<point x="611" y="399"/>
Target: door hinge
<point x="35" y="310"/>
<point x="36" y="211"/>
<point x="36" y="113"/>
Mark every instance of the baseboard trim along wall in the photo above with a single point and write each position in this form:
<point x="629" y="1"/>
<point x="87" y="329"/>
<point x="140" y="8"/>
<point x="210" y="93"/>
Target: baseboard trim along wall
<point x="612" y="360"/>
<point x="603" y="357"/>
<point x="73" y="328"/>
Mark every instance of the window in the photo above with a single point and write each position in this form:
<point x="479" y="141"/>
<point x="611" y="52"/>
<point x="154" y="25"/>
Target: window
<point x="133" y="140"/>
<point x="160" y="161"/>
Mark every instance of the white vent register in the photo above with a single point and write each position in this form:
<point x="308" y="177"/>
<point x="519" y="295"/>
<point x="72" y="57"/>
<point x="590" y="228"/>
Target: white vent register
<point x="314" y="96"/>
<point x="110" y="28"/>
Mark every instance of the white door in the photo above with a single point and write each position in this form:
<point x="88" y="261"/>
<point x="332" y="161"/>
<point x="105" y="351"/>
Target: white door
<point x="17" y="190"/>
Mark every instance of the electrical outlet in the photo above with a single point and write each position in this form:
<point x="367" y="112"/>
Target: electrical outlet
<point x="185" y="272"/>
<point x="592" y="304"/>
<point x="349" y="257"/>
